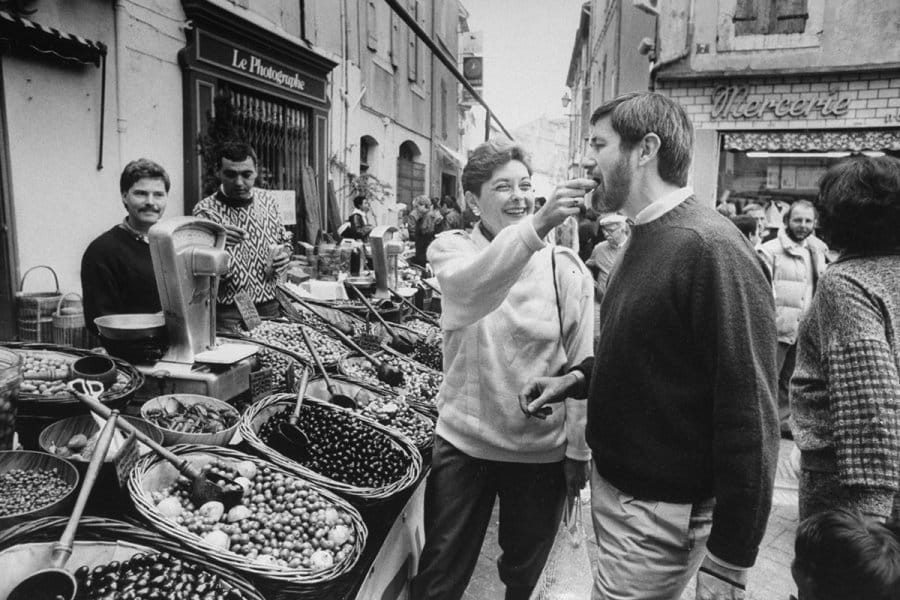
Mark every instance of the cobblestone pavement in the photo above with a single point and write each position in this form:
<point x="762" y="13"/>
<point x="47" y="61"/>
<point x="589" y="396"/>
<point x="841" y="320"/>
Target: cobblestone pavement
<point x="770" y="578"/>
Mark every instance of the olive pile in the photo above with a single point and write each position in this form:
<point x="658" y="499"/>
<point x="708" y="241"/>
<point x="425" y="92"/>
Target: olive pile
<point x="422" y="327"/>
<point x="279" y="363"/>
<point x="22" y="490"/>
<point x="287" y="335"/>
<point x="430" y="353"/>
<point x="343" y="448"/>
<point x="196" y="417"/>
<point x="397" y="415"/>
<point x="153" y="577"/>
<point x="368" y="341"/>
<point x="419" y="384"/>
<point x="281" y="520"/>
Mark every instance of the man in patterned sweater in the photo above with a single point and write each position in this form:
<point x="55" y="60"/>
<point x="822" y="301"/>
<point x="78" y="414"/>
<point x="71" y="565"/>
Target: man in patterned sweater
<point x="252" y="223"/>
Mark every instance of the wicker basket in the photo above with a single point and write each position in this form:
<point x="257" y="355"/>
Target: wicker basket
<point x="35" y="310"/>
<point x="152" y="474"/>
<point x="262" y="383"/>
<point x="258" y="414"/>
<point x="364" y="394"/>
<point x="34" y="411"/>
<point x="69" y="330"/>
<point x="27" y="460"/>
<point x="352" y="364"/>
<point x="96" y="539"/>
<point x="172" y="437"/>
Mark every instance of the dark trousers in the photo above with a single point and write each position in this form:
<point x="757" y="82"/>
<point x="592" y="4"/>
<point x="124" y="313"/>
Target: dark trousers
<point x="459" y="499"/>
<point x="787" y="360"/>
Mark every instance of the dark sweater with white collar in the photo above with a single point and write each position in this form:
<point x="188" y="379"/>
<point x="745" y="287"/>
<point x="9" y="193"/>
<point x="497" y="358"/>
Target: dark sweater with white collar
<point x="681" y="402"/>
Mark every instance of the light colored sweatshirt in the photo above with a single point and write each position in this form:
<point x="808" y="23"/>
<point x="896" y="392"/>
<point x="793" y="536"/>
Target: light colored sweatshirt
<point x="501" y="328"/>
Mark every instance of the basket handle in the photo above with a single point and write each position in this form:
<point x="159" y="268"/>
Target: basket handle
<point x="48" y="267"/>
<point x="62" y="299"/>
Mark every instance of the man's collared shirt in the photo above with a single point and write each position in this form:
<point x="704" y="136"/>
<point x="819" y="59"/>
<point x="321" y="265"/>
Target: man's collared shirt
<point x="138" y="235"/>
<point x="663" y="205"/>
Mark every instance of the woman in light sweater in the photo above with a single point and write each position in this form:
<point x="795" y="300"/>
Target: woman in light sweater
<point x="845" y="391"/>
<point x="513" y="308"/>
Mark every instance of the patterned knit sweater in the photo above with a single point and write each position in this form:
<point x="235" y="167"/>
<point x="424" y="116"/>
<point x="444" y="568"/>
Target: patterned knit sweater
<point x="247" y="262"/>
<point x="845" y="392"/>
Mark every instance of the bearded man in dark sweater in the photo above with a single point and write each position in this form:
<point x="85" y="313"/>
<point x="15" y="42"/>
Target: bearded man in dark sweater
<point x="116" y="269"/>
<point x="681" y="403"/>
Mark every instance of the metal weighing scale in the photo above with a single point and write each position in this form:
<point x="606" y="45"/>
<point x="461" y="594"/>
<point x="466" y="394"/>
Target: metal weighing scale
<point x="188" y="258"/>
<point x="386" y="251"/>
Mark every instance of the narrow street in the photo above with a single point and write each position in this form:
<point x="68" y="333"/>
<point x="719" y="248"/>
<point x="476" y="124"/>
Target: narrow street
<point x="770" y="578"/>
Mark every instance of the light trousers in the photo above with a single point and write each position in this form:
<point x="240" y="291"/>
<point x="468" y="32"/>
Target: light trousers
<point x="648" y="550"/>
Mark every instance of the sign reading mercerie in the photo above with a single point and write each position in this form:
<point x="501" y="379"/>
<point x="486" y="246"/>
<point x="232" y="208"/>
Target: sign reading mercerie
<point x="737" y="102"/>
<point x="235" y="58"/>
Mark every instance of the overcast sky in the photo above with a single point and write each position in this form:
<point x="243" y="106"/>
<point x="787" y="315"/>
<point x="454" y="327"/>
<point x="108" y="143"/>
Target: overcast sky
<point x="527" y="47"/>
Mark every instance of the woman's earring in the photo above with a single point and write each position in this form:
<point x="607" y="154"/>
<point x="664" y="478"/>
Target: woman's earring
<point x="475" y="211"/>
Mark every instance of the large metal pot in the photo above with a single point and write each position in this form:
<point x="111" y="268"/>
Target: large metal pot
<point x="132" y="327"/>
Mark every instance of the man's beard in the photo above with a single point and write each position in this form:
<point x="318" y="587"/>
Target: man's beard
<point x="795" y="237"/>
<point x="612" y="193"/>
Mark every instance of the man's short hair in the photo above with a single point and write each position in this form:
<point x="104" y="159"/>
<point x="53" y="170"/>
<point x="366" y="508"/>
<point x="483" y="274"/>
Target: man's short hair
<point x="746" y="223"/>
<point x="487" y="158"/>
<point x="142" y="168"/>
<point x="235" y="151"/>
<point x="859" y="204"/>
<point x="357" y="201"/>
<point x="635" y="115"/>
<point x="796" y="203"/>
<point x="847" y="556"/>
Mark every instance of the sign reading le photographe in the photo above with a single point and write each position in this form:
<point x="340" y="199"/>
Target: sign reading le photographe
<point x="737" y="102"/>
<point x="240" y="60"/>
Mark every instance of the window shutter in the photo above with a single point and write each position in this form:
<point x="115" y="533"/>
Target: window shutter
<point x="412" y="49"/>
<point x="790" y="16"/>
<point x="371" y="25"/>
<point x="746" y="17"/>
<point x="396" y="39"/>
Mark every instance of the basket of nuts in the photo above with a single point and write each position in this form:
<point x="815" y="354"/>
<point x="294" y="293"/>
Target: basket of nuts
<point x="288" y="534"/>
<point x="192" y="419"/>
<point x="381" y="406"/>
<point x="34" y="485"/>
<point x="108" y="551"/>
<point x="348" y="453"/>
<point x="280" y="334"/>
<point x="420" y="384"/>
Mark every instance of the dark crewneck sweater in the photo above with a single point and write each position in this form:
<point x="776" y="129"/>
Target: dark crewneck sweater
<point x="117" y="277"/>
<point x="681" y="403"/>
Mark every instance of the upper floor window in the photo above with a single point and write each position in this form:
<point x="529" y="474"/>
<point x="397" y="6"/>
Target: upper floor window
<point x="766" y="17"/>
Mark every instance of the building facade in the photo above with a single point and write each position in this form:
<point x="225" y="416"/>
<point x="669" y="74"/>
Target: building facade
<point x="776" y="96"/>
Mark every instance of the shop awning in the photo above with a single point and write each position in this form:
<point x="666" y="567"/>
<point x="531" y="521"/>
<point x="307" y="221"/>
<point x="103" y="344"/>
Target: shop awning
<point x="452" y="154"/>
<point x="18" y="32"/>
<point x="814" y="141"/>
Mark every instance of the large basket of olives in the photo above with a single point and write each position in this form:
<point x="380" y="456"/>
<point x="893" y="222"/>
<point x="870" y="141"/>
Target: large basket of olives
<point x="382" y="406"/>
<point x="420" y="383"/>
<point x="280" y="334"/>
<point x="348" y="453"/>
<point x="288" y="534"/>
<point x="117" y="560"/>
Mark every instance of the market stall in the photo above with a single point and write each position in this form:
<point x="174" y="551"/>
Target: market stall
<point x="337" y="516"/>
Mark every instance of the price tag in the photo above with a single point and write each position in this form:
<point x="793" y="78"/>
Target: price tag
<point x="248" y="310"/>
<point x="125" y="460"/>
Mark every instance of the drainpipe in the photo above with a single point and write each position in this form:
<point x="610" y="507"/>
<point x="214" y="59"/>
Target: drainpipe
<point x="120" y="24"/>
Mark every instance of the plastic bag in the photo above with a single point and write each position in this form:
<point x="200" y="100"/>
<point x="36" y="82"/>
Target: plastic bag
<point x="568" y="573"/>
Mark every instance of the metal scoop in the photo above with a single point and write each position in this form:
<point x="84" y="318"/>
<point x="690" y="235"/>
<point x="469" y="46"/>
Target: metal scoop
<point x="388" y="374"/>
<point x="54" y="581"/>
<point x="403" y="341"/>
<point x="203" y="489"/>
<point x="290" y="436"/>
<point x="337" y="399"/>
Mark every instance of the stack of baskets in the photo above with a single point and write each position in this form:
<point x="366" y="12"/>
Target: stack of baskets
<point x="255" y="417"/>
<point x="35" y="310"/>
<point x="68" y="323"/>
<point x="152" y="475"/>
<point x="100" y="541"/>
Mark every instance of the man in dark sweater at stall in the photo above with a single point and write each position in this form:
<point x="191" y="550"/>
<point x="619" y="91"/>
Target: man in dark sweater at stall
<point x="681" y="402"/>
<point x="116" y="270"/>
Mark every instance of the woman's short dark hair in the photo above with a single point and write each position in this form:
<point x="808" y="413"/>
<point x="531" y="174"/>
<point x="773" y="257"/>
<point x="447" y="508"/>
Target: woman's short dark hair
<point x="747" y="224"/>
<point x="636" y="114"/>
<point x="847" y="556"/>
<point x="142" y="168"/>
<point x="235" y="151"/>
<point x="859" y="204"/>
<point x="487" y="158"/>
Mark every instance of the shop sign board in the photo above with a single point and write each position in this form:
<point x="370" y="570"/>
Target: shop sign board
<point x="238" y="59"/>
<point x="738" y="102"/>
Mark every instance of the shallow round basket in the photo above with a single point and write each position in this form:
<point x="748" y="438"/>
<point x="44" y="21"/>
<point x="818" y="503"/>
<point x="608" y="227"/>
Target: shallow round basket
<point x="98" y="541"/>
<point x="58" y="435"/>
<point x="352" y="364"/>
<point x="29" y="460"/>
<point x="153" y="474"/>
<point x="171" y="437"/>
<point x="364" y="394"/>
<point x="259" y="413"/>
